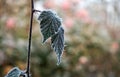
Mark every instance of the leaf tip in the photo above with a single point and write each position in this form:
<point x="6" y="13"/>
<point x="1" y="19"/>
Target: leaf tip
<point x="58" y="59"/>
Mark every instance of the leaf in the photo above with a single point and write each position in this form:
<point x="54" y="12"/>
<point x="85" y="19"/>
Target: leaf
<point x="15" y="72"/>
<point x="57" y="41"/>
<point x="50" y="23"/>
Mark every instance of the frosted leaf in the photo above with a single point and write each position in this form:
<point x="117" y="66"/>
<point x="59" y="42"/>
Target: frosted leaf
<point x="14" y="72"/>
<point x="57" y="42"/>
<point x="49" y="23"/>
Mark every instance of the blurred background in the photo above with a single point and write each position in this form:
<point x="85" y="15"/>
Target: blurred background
<point x="92" y="38"/>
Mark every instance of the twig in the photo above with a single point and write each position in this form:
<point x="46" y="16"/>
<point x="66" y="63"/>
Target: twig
<point x="29" y="44"/>
<point x="37" y="10"/>
<point x="30" y="38"/>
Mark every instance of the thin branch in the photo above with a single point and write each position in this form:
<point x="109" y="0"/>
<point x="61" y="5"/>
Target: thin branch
<point x="29" y="44"/>
<point x="37" y="10"/>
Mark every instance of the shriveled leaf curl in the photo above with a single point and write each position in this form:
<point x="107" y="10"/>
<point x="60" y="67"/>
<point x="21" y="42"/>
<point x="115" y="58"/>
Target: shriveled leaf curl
<point x="50" y="25"/>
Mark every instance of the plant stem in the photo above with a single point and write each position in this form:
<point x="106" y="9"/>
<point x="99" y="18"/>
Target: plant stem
<point x="29" y="44"/>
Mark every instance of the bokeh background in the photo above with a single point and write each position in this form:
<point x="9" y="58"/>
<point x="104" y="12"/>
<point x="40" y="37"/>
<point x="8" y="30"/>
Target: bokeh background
<point x="92" y="38"/>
